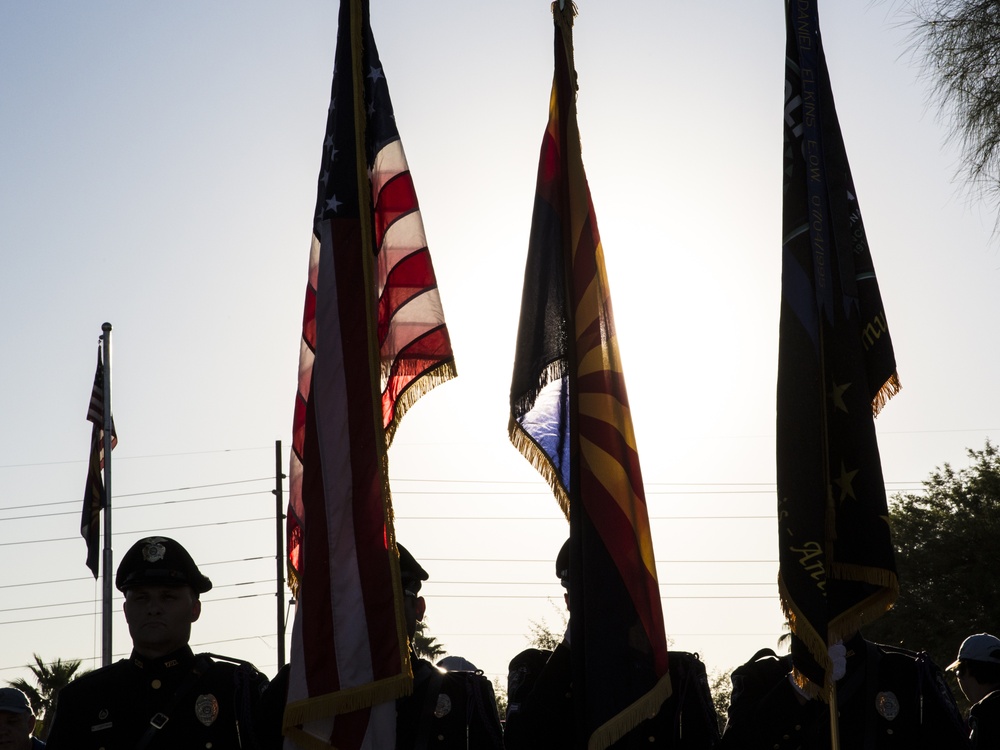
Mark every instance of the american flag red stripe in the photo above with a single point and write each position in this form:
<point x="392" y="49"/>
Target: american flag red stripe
<point x="414" y="346"/>
<point x="373" y="340"/>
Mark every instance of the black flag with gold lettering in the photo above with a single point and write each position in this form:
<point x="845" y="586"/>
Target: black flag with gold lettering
<point x="836" y="369"/>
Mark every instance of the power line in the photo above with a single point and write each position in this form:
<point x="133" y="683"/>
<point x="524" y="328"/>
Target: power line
<point x="651" y="489"/>
<point x="541" y="596"/>
<point x="550" y="561"/>
<point x="271" y="557"/>
<point x="88" y="578"/>
<point x="769" y="517"/>
<point x="142" y="531"/>
<point x="138" y="507"/>
<point x="133" y="458"/>
<point x="98" y="613"/>
<point x="149" y="492"/>
<point x="549" y="584"/>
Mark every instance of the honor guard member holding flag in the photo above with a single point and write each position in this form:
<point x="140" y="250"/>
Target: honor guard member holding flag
<point x="448" y="709"/>
<point x="887" y="699"/>
<point x="540" y="699"/>
<point x="163" y="695"/>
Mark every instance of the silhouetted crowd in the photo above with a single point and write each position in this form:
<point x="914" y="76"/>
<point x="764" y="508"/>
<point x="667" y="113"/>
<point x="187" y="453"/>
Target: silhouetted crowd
<point x="166" y="696"/>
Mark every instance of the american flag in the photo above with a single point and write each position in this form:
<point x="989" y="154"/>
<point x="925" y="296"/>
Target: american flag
<point x="570" y="417"/>
<point x="94" y="497"/>
<point x="373" y="341"/>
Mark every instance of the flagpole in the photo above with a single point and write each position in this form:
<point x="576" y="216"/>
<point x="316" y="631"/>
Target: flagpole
<point x="108" y="429"/>
<point x="834" y="721"/>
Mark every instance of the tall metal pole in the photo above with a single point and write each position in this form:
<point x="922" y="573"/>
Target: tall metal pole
<point x="279" y="543"/>
<point x="108" y="422"/>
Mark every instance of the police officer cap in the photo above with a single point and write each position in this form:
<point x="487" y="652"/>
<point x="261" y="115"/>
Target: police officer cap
<point x="159" y="561"/>
<point x="562" y="564"/>
<point x="410" y="572"/>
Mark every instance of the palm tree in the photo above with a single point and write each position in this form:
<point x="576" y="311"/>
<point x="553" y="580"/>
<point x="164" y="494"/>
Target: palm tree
<point x="426" y="646"/>
<point x="49" y="679"/>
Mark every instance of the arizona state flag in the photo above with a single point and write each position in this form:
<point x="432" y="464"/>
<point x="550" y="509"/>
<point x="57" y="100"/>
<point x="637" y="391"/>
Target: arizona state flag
<point x="570" y="417"/>
<point x="836" y="369"/>
<point x="373" y="340"/>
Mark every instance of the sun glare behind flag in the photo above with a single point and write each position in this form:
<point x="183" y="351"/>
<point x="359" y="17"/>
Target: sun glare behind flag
<point x="836" y="369"/>
<point x="95" y="497"/>
<point x="373" y="340"/>
<point x="570" y="418"/>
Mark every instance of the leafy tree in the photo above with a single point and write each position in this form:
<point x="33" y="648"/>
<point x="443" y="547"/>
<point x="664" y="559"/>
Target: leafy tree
<point x="500" y="693"/>
<point x="49" y="680"/>
<point x="541" y="635"/>
<point x="721" y="687"/>
<point x="959" y="40"/>
<point x="946" y="557"/>
<point x="426" y="646"/>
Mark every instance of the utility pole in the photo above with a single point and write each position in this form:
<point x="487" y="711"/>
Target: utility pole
<point x="279" y="543"/>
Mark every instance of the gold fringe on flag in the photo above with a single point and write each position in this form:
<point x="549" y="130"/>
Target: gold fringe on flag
<point x="426" y="383"/>
<point x="889" y="389"/>
<point x="818" y="648"/>
<point x="540" y="460"/>
<point x="645" y="708"/>
<point x="844" y="625"/>
<point x="346" y="701"/>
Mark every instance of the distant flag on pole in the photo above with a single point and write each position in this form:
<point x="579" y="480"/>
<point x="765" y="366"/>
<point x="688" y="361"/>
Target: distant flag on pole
<point x="836" y="369"/>
<point x="570" y="418"/>
<point x="94" y="497"/>
<point x="373" y="341"/>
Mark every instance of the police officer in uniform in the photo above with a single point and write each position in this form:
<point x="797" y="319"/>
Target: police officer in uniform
<point x="886" y="698"/>
<point x="448" y="709"/>
<point x="540" y="699"/>
<point x="163" y="695"/>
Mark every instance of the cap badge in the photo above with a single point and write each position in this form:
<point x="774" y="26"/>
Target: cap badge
<point x="887" y="705"/>
<point x="206" y="708"/>
<point x="153" y="552"/>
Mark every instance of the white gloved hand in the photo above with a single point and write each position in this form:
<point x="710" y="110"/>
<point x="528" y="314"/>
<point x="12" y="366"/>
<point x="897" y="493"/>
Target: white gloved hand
<point x="838" y="658"/>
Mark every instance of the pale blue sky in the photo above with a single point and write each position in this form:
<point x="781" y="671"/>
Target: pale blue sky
<point x="158" y="168"/>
